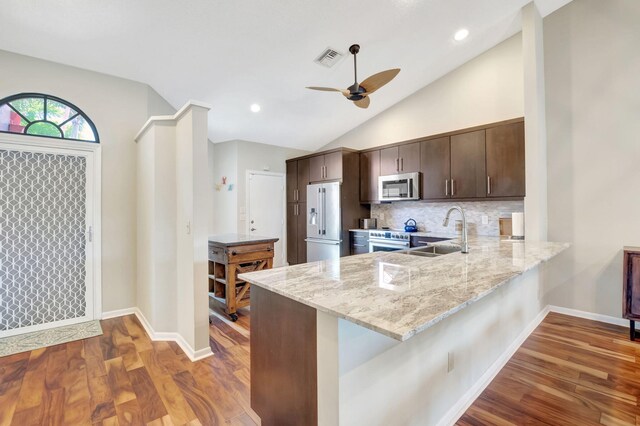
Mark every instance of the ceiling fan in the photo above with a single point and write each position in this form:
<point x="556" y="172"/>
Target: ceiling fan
<point x="359" y="92"/>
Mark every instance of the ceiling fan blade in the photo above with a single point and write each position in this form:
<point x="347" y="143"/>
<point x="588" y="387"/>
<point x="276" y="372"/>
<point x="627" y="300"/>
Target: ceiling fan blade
<point x="363" y="103"/>
<point x="329" y="89"/>
<point x="378" y="80"/>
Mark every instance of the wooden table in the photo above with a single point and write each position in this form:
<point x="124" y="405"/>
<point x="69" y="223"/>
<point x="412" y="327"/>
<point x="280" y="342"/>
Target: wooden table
<point x="233" y="254"/>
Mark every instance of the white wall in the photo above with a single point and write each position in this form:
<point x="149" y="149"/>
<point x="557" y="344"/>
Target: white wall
<point x="592" y="69"/>
<point x="233" y="159"/>
<point x="118" y="107"/>
<point x="486" y="89"/>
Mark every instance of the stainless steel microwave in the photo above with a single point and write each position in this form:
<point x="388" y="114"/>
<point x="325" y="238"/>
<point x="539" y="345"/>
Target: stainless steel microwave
<point x="399" y="187"/>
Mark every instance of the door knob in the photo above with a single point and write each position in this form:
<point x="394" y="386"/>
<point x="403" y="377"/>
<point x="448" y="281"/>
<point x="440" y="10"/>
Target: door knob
<point x="253" y="229"/>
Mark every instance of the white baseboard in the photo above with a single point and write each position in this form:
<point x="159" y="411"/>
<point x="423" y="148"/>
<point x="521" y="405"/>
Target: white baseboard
<point x="474" y="392"/>
<point x="463" y="404"/>
<point x="161" y="335"/>
<point x="591" y="316"/>
<point x="118" y="313"/>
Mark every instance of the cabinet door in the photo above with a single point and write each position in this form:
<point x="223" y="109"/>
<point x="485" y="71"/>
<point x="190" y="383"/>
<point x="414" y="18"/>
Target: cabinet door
<point x="409" y="157"/>
<point x="316" y="168"/>
<point x="292" y="181"/>
<point x="468" y="170"/>
<point x="505" y="161"/>
<point x="301" y="220"/>
<point x="292" y="233"/>
<point x="369" y="172"/>
<point x="303" y="179"/>
<point x="389" y="161"/>
<point x="435" y="165"/>
<point x="333" y="166"/>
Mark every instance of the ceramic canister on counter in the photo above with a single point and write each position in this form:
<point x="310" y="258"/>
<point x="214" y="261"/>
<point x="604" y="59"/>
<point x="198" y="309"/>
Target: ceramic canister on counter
<point x="517" y="226"/>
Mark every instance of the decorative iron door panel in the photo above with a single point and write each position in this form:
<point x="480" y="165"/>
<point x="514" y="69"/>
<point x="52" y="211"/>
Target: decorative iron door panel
<point x="44" y="206"/>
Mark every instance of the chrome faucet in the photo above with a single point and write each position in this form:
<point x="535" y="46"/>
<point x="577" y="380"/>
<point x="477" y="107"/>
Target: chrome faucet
<point x="465" y="244"/>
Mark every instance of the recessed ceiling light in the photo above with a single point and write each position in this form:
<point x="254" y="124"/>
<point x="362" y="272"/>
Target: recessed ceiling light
<point x="255" y="108"/>
<point x="461" y="34"/>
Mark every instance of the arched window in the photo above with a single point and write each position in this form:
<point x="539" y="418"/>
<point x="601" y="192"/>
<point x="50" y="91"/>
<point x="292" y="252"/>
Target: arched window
<point x="43" y="115"/>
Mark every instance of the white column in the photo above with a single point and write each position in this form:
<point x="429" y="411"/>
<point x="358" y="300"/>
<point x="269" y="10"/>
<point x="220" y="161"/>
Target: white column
<point x="535" y="203"/>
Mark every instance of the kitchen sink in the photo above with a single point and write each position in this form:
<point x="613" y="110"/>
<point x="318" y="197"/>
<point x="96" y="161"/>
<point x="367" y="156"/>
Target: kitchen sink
<point x="433" y="251"/>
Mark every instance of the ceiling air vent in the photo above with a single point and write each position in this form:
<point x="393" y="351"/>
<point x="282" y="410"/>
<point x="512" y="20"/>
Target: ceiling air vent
<point x="329" y="57"/>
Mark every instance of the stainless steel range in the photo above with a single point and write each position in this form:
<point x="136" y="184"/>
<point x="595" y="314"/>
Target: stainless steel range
<point x="381" y="240"/>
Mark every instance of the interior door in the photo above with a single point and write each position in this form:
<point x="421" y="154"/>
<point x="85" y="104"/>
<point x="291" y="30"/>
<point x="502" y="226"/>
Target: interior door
<point x="46" y="258"/>
<point x="266" y="209"/>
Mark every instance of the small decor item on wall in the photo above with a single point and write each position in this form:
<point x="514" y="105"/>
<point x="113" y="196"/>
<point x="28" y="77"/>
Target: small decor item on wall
<point x="223" y="184"/>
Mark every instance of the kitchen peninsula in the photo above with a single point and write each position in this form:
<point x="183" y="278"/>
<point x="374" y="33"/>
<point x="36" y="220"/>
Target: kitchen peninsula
<point x="388" y="338"/>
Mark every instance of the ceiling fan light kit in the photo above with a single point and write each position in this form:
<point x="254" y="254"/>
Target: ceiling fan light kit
<point x="359" y="93"/>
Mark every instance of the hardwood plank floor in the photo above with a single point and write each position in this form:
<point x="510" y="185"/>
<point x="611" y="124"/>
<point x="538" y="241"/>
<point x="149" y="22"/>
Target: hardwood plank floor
<point x="123" y="378"/>
<point x="570" y="371"/>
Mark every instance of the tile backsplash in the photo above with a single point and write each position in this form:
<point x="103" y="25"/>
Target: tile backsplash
<point x="430" y="215"/>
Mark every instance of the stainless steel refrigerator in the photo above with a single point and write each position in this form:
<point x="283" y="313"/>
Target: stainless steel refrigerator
<point x="324" y="227"/>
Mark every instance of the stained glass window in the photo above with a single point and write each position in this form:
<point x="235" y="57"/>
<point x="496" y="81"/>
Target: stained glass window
<point x="44" y="115"/>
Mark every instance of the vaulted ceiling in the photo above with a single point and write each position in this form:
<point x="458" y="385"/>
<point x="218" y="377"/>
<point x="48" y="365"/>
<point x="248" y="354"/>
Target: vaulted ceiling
<point x="233" y="53"/>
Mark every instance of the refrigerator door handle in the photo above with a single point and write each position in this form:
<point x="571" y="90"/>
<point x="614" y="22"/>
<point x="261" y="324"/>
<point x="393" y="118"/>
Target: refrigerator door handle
<point x="320" y="211"/>
<point x="324" y="209"/>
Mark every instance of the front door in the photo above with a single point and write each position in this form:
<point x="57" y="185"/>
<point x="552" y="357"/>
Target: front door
<point x="46" y="245"/>
<point x="266" y="209"/>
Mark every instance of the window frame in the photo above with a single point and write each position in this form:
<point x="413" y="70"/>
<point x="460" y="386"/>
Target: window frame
<point x="45" y="97"/>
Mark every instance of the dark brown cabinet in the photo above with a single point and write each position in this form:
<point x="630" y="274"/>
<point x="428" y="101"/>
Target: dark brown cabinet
<point x="296" y="233"/>
<point x="435" y="165"/>
<point x="369" y="173"/>
<point x="400" y="159"/>
<point x="505" y="161"/>
<point x="297" y="180"/>
<point x="631" y="288"/>
<point x="359" y="242"/>
<point x="468" y="170"/>
<point x="325" y="167"/>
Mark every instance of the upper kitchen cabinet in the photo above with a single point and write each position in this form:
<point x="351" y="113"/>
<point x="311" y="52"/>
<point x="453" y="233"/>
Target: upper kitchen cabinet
<point x="468" y="168"/>
<point x="369" y="172"/>
<point x="505" y="160"/>
<point x="400" y="159"/>
<point x="325" y="167"/>
<point x="435" y="165"/>
<point x="297" y="180"/>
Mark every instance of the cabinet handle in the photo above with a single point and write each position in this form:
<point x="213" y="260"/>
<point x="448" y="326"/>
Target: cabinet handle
<point x="297" y="209"/>
<point x="324" y="173"/>
<point x="397" y="164"/>
<point x="488" y="185"/>
<point x="402" y="164"/>
<point x="358" y="245"/>
<point x="446" y="187"/>
<point x="453" y="187"/>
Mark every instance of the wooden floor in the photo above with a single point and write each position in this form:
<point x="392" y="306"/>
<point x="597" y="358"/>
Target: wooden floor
<point x="570" y="371"/>
<point x="123" y="378"/>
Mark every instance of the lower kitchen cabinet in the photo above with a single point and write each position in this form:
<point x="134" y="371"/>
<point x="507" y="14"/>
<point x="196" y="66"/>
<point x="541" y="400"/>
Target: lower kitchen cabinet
<point x="296" y="233"/>
<point x="359" y="243"/>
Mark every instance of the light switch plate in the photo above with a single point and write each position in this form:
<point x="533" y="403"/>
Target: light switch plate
<point x="485" y="219"/>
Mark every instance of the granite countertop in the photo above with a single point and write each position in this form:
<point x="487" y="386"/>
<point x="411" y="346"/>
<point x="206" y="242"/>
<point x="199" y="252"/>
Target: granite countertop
<point x="400" y="295"/>
<point x="239" y="239"/>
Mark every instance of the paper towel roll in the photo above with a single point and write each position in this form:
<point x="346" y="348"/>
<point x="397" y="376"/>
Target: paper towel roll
<point x="517" y="226"/>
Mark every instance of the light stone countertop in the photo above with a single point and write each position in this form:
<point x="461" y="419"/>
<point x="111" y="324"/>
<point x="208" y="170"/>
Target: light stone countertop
<point x="400" y="295"/>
